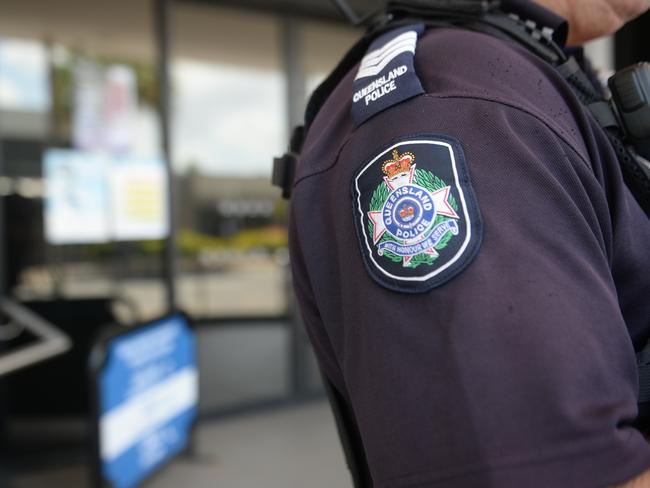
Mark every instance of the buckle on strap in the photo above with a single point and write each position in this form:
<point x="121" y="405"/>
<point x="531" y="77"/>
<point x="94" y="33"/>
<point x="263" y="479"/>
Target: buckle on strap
<point x="284" y="167"/>
<point x="284" y="172"/>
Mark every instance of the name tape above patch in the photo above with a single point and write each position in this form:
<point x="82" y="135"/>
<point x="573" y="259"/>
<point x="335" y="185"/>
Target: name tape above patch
<point x="416" y="215"/>
<point x="386" y="74"/>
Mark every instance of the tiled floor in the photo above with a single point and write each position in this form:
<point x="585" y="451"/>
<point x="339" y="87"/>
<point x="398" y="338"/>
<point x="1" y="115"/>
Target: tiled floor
<point x="291" y="448"/>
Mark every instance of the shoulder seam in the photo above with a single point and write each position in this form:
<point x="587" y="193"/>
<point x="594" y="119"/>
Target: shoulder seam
<point x="540" y="117"/>
<point x="334" y="162"/>
<point x="469" y="96"/>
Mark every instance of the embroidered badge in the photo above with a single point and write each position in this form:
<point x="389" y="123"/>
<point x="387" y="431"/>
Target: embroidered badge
<point x="416" y="214"/>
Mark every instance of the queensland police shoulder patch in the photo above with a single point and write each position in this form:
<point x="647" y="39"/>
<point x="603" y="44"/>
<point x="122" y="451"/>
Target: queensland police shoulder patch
<point x="416" y="214"/>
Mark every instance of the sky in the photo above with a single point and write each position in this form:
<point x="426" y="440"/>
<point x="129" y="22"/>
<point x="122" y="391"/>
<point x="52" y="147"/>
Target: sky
<point x="227" y="120"/>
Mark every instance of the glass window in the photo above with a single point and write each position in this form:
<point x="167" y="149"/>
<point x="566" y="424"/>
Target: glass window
<point x="83" y="177"/>
<point x="323" y="45"/>
<point x="24" y="76"/>
<point x="229" y="122"/>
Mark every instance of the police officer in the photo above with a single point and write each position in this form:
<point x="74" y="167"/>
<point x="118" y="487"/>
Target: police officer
<point x="471" y="267"/>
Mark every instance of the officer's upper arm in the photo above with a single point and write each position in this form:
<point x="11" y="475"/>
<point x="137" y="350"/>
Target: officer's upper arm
<point x="516" y="369"/>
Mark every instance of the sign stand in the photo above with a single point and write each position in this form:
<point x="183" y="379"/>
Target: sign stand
<point x="144" y="405"/>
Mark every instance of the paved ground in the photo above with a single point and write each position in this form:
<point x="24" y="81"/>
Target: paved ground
<point x="290" y="448"/>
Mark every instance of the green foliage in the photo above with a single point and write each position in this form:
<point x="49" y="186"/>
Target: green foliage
<point x="444" y="241"/>
<point x="432" y="183"/>
<point x="151" y="247"/>
<point x="379" y="196"/>
<point x="421" y="258"/>
<point x="272" y="237"/>
<point x="145" y="75"/>
<point x="62" y="94"/>
<point x="388" y="254"/>
<point x="63" y="86"/>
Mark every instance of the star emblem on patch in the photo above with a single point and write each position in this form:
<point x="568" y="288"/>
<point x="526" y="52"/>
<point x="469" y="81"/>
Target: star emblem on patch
<point x="417" y="216"/>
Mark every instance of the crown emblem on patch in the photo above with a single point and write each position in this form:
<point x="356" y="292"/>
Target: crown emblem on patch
<point x="399" y="165"/>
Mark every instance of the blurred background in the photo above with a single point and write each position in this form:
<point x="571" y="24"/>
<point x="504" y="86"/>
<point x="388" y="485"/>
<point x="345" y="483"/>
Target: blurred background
<point x="136" y="140"/>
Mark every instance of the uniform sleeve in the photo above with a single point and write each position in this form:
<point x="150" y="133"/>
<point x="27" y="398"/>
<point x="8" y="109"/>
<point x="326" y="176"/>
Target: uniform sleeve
<point x="517" y="372"/>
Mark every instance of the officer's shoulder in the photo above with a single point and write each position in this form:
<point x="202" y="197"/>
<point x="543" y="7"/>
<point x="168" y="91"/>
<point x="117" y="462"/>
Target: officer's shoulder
<point x="475" y="59"/>
<point x="450" y="63"/>
<point x="464" y="63"/>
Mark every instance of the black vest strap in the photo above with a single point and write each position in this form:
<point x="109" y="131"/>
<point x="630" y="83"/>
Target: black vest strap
<point x="635" y="178"/>
<point x="322" y="93"/>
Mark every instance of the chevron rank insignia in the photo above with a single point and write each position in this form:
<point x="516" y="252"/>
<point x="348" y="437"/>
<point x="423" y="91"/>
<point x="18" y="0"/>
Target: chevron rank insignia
<point x="417" y="219"/>
<point x="386" y="74"/>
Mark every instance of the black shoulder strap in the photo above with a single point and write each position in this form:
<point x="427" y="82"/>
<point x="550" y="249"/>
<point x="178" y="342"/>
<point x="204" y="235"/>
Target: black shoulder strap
<point x="635" y="178"/>
<point x="323" y="91"/>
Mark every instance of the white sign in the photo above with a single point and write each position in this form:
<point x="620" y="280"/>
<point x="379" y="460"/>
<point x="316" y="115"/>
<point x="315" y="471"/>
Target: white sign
<point x="94" y="197"/>
<point x="139" y="203"/>
<point x="76" y="197"/>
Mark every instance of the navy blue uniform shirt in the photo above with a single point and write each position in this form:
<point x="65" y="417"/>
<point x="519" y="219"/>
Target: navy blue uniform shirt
<point x="516" y="368"/>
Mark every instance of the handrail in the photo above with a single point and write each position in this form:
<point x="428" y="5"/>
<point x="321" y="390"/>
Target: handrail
<point x="52" y="342"/>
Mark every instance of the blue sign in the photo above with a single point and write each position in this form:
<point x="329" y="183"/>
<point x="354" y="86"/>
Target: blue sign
<point x="148" y="400"/>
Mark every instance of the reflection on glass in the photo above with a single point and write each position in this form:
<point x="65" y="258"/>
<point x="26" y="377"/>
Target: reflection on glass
<point x="228" y="119"/>
<point x="24" y="76"/>
<point x="232" y="239"/>
<point x="54" y="98"/>
<point x="324" y="44"/>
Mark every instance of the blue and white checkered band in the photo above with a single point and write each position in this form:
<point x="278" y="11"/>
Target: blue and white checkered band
<point x="409" y="212"/>
<point x="416" y="215"/>
<point x="386" y="74"/>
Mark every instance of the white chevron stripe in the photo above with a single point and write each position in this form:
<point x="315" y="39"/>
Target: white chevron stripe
<point x="388" y="54"/>
<point x="376" y="61"/>
<point x="373" y="56"/>
<point x="373" y="71"/>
